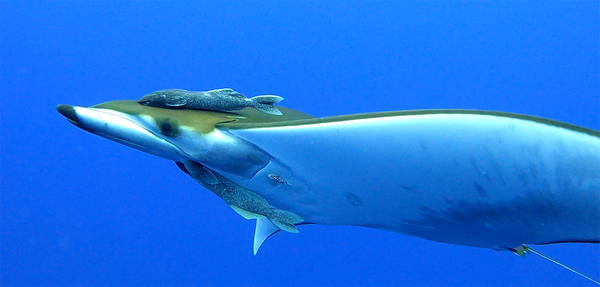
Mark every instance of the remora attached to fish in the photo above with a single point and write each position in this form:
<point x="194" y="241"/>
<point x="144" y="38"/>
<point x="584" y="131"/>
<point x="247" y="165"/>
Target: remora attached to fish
<point x="242" y="200"/>
<point x="223" y="100"/>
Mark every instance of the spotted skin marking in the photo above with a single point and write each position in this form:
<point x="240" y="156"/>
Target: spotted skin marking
<point x="278" y="179"/>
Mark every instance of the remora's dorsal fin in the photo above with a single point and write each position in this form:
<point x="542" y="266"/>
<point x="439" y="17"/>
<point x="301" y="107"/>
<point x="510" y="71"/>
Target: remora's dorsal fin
<point x="264" y="229"/>
<point x="524" y="249"/>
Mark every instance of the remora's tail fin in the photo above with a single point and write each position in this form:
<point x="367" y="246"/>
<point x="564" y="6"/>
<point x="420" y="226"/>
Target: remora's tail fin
<point x="285" y="220"/>
<point x="266" y="103"/>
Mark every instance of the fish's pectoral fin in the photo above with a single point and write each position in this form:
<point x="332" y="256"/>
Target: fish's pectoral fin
<point x="264" y="229"/>
<point x="244" y="213"/>
<point x="175" y="101"/>
<point x="279" y="220"/>
<point x="266" y="103"/>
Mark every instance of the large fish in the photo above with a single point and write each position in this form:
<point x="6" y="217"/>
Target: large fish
<point x="476" y="178"/>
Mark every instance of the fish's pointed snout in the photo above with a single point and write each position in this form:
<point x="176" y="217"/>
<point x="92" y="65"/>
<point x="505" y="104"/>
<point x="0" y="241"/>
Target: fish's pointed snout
<point x="68" y="112"/>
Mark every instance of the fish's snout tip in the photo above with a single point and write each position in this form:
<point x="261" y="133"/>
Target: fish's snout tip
<point x="68" y="112"/>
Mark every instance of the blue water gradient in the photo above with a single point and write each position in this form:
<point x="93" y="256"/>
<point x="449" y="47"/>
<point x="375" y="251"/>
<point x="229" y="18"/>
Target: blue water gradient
<point x="81" y="210"/>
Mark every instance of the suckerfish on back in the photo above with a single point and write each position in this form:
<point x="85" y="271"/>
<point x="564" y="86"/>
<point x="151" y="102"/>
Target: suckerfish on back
<point x="215" y="100"/>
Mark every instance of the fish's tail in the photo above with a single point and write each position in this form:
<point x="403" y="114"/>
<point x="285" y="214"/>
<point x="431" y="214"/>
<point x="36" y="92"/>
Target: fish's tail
<point x="266" y="103"/>
<point x="285" y="220"/>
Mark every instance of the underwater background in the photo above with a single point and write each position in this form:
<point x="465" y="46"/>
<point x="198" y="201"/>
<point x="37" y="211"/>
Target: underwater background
<point x="78" y="209"/>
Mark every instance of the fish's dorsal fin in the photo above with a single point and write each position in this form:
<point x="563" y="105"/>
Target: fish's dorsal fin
<point x="524" y="249"/>
<point x="264" y="229"/>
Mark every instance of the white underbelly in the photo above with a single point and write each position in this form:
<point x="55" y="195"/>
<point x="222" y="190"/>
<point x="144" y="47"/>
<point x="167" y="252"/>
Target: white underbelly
<point x="468" y="179"/>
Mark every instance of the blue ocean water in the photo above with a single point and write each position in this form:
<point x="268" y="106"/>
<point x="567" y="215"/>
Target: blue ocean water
<point x="78" y="209"/>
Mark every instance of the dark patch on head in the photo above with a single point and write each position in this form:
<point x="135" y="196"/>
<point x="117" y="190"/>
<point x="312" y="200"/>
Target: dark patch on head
<point x="168" y="127"/>
<point x="480" y="189"/>
<point x="165" y="128"/>
<point x="353" y="198"/>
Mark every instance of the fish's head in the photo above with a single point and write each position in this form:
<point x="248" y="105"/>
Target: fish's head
<point x="167" y="133"/>
<point x="178" y="134"/>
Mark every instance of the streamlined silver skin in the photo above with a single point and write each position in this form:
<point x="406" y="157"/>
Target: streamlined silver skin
<point x="483" y="179"/>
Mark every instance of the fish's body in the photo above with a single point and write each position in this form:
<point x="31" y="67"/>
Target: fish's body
<point x="488" y="180"/>
<point x="475" y="178"/>
<point x="224" y="100"/>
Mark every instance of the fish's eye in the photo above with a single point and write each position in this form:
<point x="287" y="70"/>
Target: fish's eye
<point x="166" y="128"/>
